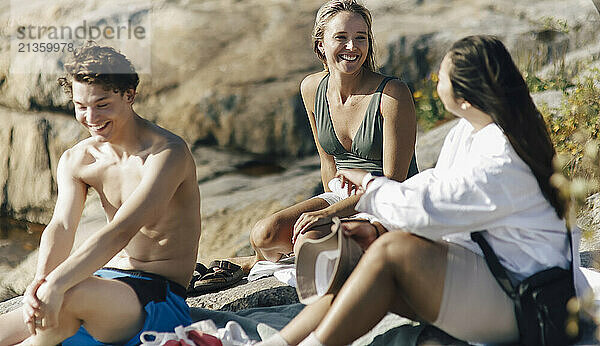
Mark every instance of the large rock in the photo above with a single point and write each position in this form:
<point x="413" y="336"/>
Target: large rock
<point x="233" y="203"/>
<point x="261" y="293"/>
<point x="228" y="72"/>
<point x="238" y="88"/>
<point x="430" y="143"/>
<point x="14" y="282"/>
<point x="414" y="35"/>
<point x="30" y="147"/>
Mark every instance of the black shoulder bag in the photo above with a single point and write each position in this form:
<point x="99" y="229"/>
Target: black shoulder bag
<point x="540" y="300"/>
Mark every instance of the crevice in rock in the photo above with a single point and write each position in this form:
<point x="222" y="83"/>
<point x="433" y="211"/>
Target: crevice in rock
<point x="259" y="168"/>
<point x="207" y="140"/>
<point x="257" y="82"/>
<point x="165" y="89"/>
<point x="300" y="129"/>
<point x="64" y="110"/>
<point x="4" y="207"/>
<point x="44" y="126"/>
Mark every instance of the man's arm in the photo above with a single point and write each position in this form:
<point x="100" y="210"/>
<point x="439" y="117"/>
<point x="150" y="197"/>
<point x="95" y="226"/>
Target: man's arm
<point x="164" y="172"/>
<point x="57" y="238"/>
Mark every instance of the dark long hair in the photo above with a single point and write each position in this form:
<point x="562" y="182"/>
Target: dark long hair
<point x="484" y="74"/>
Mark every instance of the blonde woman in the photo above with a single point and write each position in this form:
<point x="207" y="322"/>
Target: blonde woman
<point x="359" y="119"/>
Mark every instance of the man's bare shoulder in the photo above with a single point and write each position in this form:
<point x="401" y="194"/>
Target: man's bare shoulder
<point x="80" y="153"/>
<point x="163" y="139"/>
<point x="170" y="149"/>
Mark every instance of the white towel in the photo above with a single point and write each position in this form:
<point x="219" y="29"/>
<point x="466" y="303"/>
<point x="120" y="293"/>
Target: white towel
<point x="284" y="272"/>
<point x="232" y="335"/>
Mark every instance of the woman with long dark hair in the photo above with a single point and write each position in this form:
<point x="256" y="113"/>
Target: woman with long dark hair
<point x="492" y="174"/>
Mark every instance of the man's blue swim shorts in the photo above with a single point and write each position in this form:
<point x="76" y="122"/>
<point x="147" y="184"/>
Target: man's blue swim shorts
<point x="162" y="299"/>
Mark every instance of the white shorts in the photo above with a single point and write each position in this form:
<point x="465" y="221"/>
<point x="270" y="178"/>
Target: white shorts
<point x="474" y="308"/>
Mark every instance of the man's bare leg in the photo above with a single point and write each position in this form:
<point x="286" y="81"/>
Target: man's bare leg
<point x="12" y="328"/>
<point x="397" y="273"/>
<point x="108" y="309"/>
<point x="271" y="237"/>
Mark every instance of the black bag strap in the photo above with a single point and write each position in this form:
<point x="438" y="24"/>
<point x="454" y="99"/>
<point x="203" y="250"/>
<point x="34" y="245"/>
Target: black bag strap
<point x="501" y="275"/>
<point x="493" y="263"/>
<point x="570" y="246"/>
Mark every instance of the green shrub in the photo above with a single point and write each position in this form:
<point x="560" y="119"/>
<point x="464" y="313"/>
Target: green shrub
<point x="429" y="108"/>
<point x="575" y="131"/>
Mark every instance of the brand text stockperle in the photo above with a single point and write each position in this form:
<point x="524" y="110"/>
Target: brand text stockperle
<point x="81" y="32"/>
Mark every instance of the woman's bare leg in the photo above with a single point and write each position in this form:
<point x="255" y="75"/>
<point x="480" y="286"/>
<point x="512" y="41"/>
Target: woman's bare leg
<point x="271" y="237"/>
<point x="306" y="321"/>
<point x="400" y="272"/>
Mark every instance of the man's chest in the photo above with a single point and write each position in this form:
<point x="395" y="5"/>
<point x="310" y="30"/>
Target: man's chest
<point x="114" y="180"/>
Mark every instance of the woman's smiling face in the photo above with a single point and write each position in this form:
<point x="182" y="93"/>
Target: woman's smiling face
<point x="345" y="42"/>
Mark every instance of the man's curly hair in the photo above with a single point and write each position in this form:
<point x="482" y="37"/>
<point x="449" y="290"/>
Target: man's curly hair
<point x="100" y="65"/>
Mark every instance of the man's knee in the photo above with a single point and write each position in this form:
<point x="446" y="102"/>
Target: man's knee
<point x="68" y="321"/>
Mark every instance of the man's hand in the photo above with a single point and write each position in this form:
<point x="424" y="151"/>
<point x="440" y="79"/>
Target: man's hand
<point x="308" y="220"/>
<point x="31" y="304"/>
<point x="51" y="299"/>
<point x="352" y="180"/>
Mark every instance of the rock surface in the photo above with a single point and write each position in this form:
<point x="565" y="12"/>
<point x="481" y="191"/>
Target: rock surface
<point x="227" y="72"/>
<point x="234" y="83"/>
<point x="30" y="146"/>
<point x="261" y="293"/>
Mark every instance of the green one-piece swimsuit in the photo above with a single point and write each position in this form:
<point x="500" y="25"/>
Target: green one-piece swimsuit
<point x="367" y="145"/>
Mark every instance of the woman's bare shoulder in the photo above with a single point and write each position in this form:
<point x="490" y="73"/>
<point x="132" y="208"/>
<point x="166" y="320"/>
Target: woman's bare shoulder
<point x="311" y="82"/>
<point x="396" y="89"/>
<point x="397" y="99"/>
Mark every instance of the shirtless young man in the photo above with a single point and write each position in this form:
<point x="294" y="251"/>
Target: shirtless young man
<point x="146" y="180"/>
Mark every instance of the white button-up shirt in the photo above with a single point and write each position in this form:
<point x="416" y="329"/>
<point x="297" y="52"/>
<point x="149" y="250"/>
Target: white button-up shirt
<point x="479" y="183"/>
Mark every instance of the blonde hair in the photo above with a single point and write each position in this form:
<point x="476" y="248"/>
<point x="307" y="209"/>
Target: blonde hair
<point x="328" y="11"/>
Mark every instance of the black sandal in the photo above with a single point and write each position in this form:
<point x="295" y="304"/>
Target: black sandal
<point x="199" y="272"/>
<point x="220" y="274"/>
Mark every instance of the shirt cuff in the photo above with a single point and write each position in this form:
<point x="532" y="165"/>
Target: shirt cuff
<point x="365" y="203"/>
<point x="366" y="180"/>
